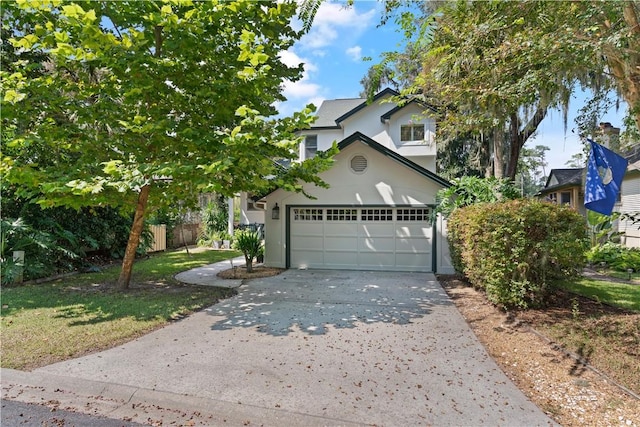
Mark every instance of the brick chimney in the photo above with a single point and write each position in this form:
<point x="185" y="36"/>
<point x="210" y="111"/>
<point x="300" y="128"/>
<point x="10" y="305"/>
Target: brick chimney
<point x="609" y="135"/>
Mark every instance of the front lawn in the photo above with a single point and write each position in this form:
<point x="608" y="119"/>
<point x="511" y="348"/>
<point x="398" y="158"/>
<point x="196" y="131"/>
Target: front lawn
<point x="49" y="322"/>
<point x="621" y="295"/>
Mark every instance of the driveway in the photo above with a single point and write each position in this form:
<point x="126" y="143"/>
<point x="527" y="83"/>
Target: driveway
<point x="323" y="348"/>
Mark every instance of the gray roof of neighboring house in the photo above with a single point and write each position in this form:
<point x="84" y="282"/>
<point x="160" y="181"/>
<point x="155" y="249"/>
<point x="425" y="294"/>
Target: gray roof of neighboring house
<point x="566" y="178"/>
<point x="633" y="155"/>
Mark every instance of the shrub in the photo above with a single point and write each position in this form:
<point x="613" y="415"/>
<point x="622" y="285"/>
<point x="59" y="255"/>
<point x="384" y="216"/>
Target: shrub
<point x="62" y="238"/>
<point x="250" y="244"/>
<point x="17" y="235"/>
<point x="514" y="249"/>
<point x="467" y="191"/>
<point x="615" y="256"/>
<point x="470" y="190"/>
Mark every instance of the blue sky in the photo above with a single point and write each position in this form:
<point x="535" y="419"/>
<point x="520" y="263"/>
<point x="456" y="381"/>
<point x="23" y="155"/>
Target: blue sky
<point x="333" y="51"/>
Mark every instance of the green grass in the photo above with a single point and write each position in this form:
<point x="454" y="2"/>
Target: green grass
<point x="635" y="276"/>
<point x="49" y="322"/>
<point x="621" y="295"/>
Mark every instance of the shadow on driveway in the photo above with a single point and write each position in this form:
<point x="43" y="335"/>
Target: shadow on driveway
<point x="311" y="300"/>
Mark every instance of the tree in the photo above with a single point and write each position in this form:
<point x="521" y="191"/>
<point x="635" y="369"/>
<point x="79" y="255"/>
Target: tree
<point x="145" y="104"/>
<point x="532" y="169"/>
<point x="578" y="160"/>
<point x="495" y="68"/>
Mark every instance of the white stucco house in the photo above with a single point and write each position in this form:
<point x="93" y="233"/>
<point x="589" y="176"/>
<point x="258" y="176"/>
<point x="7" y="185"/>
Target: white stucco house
<point x="377" y="212"/>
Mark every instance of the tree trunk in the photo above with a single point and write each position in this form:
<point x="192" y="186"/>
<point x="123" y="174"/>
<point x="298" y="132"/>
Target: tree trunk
<point x="625" y="64"/>
<point x="498" y="152"/>
<point x="519" y="138"/>
<point x="249" y="262"/>
<point x="134" y="238"/>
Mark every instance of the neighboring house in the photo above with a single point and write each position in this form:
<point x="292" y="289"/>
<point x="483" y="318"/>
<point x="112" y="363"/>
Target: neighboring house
<point x="566" y="186"/>
<point x="630" y="199"/>
<point x="377" y="212"/>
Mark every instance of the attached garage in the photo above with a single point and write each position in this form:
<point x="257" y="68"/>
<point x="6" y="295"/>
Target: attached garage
<point x="364" y="238"/>
<point x="377" y="214"/>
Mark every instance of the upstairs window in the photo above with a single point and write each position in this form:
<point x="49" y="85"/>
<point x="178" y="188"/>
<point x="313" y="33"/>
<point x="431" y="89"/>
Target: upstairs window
<point x="411" y="133"/>
<point x="310" y="146"/>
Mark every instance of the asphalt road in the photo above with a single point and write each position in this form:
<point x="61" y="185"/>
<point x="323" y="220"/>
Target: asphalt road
<point x="16" y="414"/>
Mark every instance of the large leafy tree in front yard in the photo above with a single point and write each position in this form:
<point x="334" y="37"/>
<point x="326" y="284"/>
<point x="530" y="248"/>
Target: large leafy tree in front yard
<point x="140" y="104"/>
<point x="496" y="68"/>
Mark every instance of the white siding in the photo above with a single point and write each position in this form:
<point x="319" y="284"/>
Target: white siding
<point x="326" y="137"/>
<point x="249" y="216"/>
<point x="384" y="183"/>
<point x="630" y="202"/>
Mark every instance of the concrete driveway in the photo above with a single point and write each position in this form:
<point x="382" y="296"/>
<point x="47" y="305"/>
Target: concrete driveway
<point x="321" y="348"/>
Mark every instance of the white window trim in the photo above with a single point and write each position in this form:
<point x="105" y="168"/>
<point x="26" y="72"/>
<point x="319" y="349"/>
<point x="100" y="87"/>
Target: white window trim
<point x="303" y="147"/>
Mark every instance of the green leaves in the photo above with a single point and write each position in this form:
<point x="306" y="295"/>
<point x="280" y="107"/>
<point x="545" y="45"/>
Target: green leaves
<point x="119" y="103"/>
<point x="494" y="67"/>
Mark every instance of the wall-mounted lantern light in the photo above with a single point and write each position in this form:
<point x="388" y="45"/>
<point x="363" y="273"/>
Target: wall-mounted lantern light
<point x="275" y="212"/>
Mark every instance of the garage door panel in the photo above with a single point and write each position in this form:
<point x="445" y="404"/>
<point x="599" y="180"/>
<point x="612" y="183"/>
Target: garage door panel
<point x="368" y="229"/>
<point x="413" y="231"/>
<point x="411" y="262"/>
<point x="340" y="259"/>
<point x="377" y="244"/>
<point x="378" y="260"/>
<point x="309" y="259"/>
<point x="341" y="229"/>
<point x="341" y="243"/>
<point x="413" y="245"/>
<point x="307" y="243"/>
<point x="393" y="239"/>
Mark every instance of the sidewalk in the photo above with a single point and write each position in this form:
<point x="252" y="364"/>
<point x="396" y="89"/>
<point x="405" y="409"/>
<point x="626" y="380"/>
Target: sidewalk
<point x="208" y="274"/>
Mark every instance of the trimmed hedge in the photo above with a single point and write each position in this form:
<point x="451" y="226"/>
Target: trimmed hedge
<point x="514" y="249"/>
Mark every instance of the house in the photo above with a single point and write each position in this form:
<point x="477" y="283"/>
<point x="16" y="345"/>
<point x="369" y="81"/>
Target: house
<point x="565" y="186"/>
<point x="377" y="212"/>
<point x="630" y="199"/>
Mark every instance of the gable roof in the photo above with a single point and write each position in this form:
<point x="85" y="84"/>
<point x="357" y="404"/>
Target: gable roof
<point x="388" y="114"/>
<point x="569" y="177"/>
<point x="633" y="157"/>
<point x="330" y="110"/>
<point x="366" y="102"/>
<point x="357" y="136"/>
<point x="334" y="111"/>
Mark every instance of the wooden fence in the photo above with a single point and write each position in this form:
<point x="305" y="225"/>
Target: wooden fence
<point x="159" y="238"/>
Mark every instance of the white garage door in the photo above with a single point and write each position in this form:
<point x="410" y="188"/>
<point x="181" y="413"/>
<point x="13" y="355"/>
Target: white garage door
<point x="395" y="239"/>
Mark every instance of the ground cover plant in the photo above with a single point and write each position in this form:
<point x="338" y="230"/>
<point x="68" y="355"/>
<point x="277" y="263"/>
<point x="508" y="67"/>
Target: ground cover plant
<point x="49" y="322"/>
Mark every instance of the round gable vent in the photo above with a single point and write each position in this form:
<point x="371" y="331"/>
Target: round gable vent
<point x="358" y="163"/>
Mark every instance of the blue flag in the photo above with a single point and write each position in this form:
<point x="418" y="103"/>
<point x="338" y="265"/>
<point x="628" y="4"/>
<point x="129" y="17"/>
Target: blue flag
<point x="605" y="170"/>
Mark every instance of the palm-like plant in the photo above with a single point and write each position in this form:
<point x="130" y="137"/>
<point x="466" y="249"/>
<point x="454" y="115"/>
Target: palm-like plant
<point x="250" y="244"/>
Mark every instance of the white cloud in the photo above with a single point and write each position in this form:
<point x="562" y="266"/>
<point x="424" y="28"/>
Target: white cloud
<point x="354" y="53"/>
<point x="335" y="20"/>
<point x="302" y="88"/>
